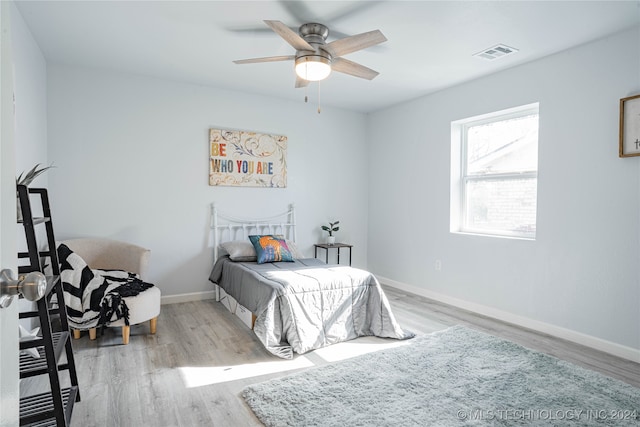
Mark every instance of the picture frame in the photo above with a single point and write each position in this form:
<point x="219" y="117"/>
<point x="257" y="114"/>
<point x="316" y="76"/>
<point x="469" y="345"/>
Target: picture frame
<point x="630" y="126"/>
<point x="241" y="158"/>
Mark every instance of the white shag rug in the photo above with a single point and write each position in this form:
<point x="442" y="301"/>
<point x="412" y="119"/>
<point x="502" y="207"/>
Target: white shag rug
<point x="455" y="377"/>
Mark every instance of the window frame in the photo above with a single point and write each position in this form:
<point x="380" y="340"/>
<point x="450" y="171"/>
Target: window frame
<point x="464" y="177"/>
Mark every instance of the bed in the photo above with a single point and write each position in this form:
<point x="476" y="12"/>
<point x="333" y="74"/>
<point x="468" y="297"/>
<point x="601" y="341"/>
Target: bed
<point x="299" y="304"/>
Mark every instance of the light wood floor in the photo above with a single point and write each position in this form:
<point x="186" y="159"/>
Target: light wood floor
<point x="192" y="372"/>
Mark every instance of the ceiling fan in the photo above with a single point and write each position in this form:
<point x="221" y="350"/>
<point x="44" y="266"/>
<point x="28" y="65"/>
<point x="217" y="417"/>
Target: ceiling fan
<point x="315" y="58"/>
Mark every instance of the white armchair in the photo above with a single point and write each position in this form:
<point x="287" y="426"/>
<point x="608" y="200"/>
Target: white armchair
<point x="106" y="254"/>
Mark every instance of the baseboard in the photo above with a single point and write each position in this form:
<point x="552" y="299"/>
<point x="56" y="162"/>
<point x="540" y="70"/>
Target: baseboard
<point x="194" y="296"/>
<point x="615" y="349"/>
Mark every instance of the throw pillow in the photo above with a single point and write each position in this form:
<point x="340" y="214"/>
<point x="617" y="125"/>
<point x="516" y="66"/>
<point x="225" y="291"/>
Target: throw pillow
<point x="270" y="249"/>
<point x="239" y="250"/>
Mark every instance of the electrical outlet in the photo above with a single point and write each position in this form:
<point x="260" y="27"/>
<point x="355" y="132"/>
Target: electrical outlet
<point x="438" y="265"/>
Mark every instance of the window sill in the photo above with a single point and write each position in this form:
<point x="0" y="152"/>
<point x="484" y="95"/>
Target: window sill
<point x="498" y="236"/>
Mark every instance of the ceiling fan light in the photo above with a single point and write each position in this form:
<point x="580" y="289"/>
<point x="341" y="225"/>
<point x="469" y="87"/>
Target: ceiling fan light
<point x="313" y="68"/>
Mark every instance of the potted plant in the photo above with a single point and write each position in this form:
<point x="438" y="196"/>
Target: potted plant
<point x="333" y="226"/>
<point x="28" y="179"/>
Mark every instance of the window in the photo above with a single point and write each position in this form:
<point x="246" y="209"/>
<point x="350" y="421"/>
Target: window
<point x="495" y="173"/>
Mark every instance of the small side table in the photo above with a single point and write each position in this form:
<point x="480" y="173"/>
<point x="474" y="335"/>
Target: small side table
<point x="326" y="248"/>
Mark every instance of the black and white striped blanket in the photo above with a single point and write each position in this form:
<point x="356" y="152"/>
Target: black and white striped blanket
<point x="95" y="298"/>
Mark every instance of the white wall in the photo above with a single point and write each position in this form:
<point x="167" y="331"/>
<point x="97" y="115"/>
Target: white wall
<point x="30" y="83"/>
<point x="132" y="157"/>
<point x="581" y="273"/>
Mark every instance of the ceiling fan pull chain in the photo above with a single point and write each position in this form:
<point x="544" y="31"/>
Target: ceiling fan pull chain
<point x="306" y="92"/>
<point x="318" y="97"/>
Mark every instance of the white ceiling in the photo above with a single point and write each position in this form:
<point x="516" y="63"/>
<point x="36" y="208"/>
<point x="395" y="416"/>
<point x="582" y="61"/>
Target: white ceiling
<point x="430" y="43"/>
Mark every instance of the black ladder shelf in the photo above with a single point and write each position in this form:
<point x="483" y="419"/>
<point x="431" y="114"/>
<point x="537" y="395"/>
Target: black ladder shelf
<point x="54" y="407"/>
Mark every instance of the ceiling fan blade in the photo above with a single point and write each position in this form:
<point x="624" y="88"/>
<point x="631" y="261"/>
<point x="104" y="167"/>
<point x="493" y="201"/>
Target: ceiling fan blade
<point x="348" y="11"/>
<point x="289" y="35"/>
<point x="301" y="82"/>
<point x="299" y="11"/>
<point x="265" y="59"/>
<point x="352" y="68"/>
<point x="354" y="43"/>
<point x="251" y="31"/>
<point x="302" y="13"/>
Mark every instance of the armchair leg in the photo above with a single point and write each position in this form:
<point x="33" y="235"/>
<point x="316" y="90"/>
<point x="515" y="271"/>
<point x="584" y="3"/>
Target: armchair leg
<point x="76" y="334"/>
<point x="153" y="325"/>
<point x="125" y="334"/>
<point x="92" y="333"/>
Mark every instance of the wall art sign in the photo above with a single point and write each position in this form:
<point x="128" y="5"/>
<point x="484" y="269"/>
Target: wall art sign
<point x="630" y="126"/>
<point x="247" y="159"/>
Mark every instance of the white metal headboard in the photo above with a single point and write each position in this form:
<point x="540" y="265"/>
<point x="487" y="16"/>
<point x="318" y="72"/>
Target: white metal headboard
<point x="236" y="228"/>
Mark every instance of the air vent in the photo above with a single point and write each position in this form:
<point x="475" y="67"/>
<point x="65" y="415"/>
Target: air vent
<point x="495" y="52"/>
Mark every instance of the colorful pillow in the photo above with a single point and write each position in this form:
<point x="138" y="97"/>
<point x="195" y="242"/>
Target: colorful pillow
<point x="239" y="250"/>
<point x="293" y="247"/>
<point x="270" y="249"/>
